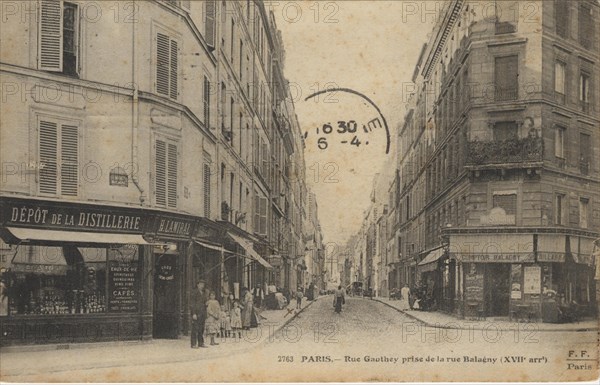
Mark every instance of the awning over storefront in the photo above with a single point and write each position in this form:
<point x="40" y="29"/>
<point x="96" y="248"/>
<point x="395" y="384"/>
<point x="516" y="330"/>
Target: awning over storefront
<point x="583" y="250"/>
<point x="211" y="247"/>
<point x="247" y="245"/>
<point x="37" y="235"/>
<point x="429" y="263"/>
<point x="551" y="248"/>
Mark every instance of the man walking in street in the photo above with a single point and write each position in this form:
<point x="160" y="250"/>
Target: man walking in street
<point x="198" y="312"/>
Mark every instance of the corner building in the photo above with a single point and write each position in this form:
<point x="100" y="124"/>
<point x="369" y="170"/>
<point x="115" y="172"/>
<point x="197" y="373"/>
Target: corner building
<point x="127" y="172"/>
<point x="502" y="141"/>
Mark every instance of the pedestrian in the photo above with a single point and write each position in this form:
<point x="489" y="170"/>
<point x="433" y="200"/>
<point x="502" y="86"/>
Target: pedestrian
<point x="198" y="313"/>
<point x="299" y="296"/>
<point x="213" y="323"/>
<point x="339" y="299"/>
<point x="405" y="298"/>
<point x="236" y="319"/>
<point x="225" y="322"/>
<point x="247" y="308"/>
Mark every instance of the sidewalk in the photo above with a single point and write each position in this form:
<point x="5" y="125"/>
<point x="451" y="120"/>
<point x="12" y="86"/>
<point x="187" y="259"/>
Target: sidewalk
<point x="32" y="360"/>
<point x="446" y="321"/>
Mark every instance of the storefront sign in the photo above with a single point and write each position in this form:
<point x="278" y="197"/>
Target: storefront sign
<point x="123" y="287"/>
<point x="532" y="279"/>
<point x="60" y="216"/>
<point x="497" y="258"/>
<point x="551" y="257"/>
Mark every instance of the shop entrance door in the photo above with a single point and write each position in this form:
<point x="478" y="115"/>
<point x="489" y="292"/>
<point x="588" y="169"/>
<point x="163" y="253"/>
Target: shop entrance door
<point x="166" y="296"/>
<point x="497" y="287"/>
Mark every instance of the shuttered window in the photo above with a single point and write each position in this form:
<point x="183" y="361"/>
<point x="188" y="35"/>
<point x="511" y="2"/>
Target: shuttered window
<point x="58" y="44"/>
<point x="167" y="66"/>
<point x="58" y="158"/>
<point x="260" y="215"/>
<point x="50" y="39"/>
<point x="206" y="102"/>
<point x="559" y="77"/>
<point x="506" y="77"/>
<point x="209" y="22"/>
<point x="206" y="180"/>
<point x="559" y="142"/>
<point x="586" y="26"/>
<point x="166" y="171"/>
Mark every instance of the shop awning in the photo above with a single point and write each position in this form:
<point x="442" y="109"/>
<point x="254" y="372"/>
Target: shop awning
<point x="247" y="245"/>
<point x="492" y="248"/>
<point x="37" y="235"/>
<point x="583" y="251"/>
<point x="209" y="246"/>
<point x="551" y="248"/>
<point x="429" y="263"/>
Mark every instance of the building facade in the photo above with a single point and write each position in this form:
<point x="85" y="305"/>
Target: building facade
<point x="133" y="170"/>
<point x="499" y="161"/>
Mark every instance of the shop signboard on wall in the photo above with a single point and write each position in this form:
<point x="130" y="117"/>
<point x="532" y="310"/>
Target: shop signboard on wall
<point x="532" y="279"/>
<point x="123" y="280"/>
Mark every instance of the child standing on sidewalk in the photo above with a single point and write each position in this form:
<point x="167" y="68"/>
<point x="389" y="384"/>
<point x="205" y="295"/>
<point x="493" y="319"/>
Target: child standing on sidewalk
<point x="236" y="319"/>
<point x="299" y="296"/>
<point x="225" y="323"/>
<point x="213" y="323"/>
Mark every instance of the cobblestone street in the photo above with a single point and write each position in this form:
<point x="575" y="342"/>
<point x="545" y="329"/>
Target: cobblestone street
<point x="367" y="333"/>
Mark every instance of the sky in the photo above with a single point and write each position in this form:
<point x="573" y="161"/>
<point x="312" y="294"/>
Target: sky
<point x="370" y="47"/>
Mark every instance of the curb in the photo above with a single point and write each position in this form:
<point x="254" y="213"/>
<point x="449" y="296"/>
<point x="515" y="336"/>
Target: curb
<point x="185" y="358"/>
<point x="440" y="326"/>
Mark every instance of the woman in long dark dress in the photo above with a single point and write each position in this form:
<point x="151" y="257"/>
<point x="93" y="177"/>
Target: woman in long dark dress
<point x="339" y="299"/>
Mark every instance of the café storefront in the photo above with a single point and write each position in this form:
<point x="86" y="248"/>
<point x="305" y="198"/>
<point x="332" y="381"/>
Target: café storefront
<point x="524" y="277"/>
<point x="72" y="272"/>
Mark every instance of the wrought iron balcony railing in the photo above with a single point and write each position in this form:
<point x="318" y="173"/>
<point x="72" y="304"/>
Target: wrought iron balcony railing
<point x="504" y="151"/>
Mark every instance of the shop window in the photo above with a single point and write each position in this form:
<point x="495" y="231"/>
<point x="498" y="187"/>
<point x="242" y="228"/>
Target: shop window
<point x="583" y="212"/>
<point x="167" y="66"/>
<point x="59" y="37"/>
<point x="43" y="280"/>
<point x="560" y="209"/>
<point x="165" y="179"/>
<point x="58" y="157"/>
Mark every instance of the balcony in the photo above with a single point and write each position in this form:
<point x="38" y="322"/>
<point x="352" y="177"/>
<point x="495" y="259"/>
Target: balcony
<point x="509" y="151"/>
<point x="506" y="94"/>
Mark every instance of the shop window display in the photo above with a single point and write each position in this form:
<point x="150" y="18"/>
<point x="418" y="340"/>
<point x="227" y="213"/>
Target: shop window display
<point x="59" y="280"/>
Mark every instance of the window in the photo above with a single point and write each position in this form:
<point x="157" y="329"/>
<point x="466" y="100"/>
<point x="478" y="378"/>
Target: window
<point x="583" y="212"/>
<point x="506" y="77"/>
<point x="165" y="180"/>
<point x="586" y="26"/>
<point x="59" y="157"/>
<point x="506" y="201"/>
<point x="232" y="39"/>
<point x="58" y="48"/>
<point x="561" y="16"/>
<point x="585" y="150"/>
<point x="241" y="59"/>
<point x="584" y="91"/>
<point x="206" y="180"/>
<point x="505" y="131"/>
<point x="167" y="67"/>
<point x="206" y="102"/>
<point x="559" y="142"/>
<point x="70" y="280"/>
<point x="559" y="81"/>
<point x="210" y="12"/>
<point x="260" y="215"/>
<point x="559" y="209"/>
